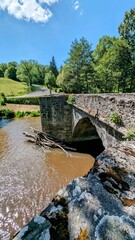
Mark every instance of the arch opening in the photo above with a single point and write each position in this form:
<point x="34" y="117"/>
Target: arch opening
<point x="86" y="139"/>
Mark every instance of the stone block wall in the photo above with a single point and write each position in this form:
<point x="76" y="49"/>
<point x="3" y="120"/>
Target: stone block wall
<point x="56" y="116"/>
<point x="103" y="105"/>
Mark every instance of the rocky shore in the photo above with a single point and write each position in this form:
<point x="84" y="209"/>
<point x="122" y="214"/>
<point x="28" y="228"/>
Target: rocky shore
<point x="98" y="206"/>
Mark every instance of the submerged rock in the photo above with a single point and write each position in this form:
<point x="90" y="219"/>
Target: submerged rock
<point x="99" y="206"/>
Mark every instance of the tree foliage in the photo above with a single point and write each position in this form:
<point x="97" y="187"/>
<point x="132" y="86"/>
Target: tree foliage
<point x="24" y="72"/>
<point x="76" y="75"/>
<point x="127" y="28"/>
<point x="10" y="71"/>
<point x="113" y="67"/>
<point x="65" y="79"/>
<point x="53" y="67"/>
<point x="50" y="80"/>
<point x="3" y="67"/>
<point x="31" y="72"/>
<point x="102" y="47"/>
<point x="127" y="32"/>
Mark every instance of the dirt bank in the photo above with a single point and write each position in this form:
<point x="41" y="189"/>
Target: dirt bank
<point x="20" y="107"/>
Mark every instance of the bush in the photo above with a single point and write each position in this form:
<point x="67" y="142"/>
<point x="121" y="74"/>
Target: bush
<point x="3" y="99"/>
<point x="27" y="113"/>
<point x="35" y="114"/>
<point x="10" y="114"/>
<point x="27" y="101"/>
<point x="3" y="96"/>
<point x="130" y="135"/>
<point x="2" y="113"/>
<point x="19" y="114"/>
<point x="7" y="113"/>
<point x="115" y="118"/>
<point x="71" y="99"/>
<point x="2" y="102"/>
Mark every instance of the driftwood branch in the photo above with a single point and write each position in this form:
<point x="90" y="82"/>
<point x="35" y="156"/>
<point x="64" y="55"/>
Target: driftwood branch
<point x="44" y="141"/>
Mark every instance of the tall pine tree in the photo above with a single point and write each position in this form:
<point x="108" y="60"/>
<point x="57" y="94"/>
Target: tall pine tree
<point x="80" y="66"/>
<point x="53" y="67"/>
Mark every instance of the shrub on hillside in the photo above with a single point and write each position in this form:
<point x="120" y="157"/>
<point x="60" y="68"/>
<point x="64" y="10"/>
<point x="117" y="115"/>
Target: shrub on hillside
<point x="20" y="114"/>
<point x="35" y="114"/>
<point x="3" y="99"/>
<point x="2" y="102"/>
<point x="7" y="113"/>
<point x="27" y="101"/>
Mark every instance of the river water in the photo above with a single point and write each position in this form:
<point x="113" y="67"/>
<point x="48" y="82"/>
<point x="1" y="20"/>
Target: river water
<point x="29" y="177"/>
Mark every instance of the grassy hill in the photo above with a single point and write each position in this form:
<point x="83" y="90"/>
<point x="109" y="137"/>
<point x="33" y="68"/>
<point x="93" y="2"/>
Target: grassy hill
<point x="12" y="88"/>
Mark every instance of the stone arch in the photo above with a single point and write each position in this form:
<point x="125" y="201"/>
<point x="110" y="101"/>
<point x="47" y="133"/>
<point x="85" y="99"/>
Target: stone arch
<point x="85" y="130"/>
<point x="86" y="138"/>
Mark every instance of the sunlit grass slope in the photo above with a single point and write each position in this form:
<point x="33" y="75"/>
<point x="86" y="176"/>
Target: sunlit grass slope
<point x="12" y="88"/>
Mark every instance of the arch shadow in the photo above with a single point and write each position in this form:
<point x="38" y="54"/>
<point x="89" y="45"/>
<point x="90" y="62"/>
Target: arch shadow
<point x="86" y="139"/>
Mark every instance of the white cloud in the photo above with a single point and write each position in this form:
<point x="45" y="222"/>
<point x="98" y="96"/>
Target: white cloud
<point x="28" y="9"/>
<point x="49" y="2"/>
<point x="76" y="5"/>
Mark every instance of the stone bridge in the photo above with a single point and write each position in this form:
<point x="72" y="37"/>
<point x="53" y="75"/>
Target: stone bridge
<point x="87" y="118"/>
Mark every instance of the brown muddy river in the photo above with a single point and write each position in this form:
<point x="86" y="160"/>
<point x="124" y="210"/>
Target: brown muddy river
<point x="29" y="177"/>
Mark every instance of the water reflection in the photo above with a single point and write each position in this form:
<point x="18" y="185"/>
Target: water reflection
<point x="4" y="122"/>
<point x="29" y="178"/>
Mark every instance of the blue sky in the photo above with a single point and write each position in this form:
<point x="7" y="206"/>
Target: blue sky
<point x="40" y="29"/>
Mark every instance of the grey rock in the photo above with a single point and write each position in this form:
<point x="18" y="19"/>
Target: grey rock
<point x="38" y="228"/>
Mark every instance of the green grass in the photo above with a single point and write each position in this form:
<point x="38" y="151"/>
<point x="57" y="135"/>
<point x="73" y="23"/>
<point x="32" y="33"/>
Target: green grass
<point x="20" y="114"/>
<point x="35" y="114"/>
<point x="12" y="88"/>
<point x="6" y="113"/>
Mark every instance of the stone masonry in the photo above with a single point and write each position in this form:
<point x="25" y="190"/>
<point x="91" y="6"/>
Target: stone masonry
<point x="60" y="119"/>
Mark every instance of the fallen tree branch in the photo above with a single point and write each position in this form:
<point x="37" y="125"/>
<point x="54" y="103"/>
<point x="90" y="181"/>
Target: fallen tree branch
<point x="41" y="139"/>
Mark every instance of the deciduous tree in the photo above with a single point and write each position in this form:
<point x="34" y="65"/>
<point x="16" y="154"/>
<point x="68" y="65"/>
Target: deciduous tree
<point x="127" y="28"/>
<point x="3" y="67"/>
<point x="31" y="72"/>
<point x="66" y="80"/>
<point x="10" y="72"/>
<point x="113" y="68"/>
<point x="50" y="80"/>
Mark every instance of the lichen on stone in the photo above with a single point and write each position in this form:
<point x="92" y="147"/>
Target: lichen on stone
<point x="115" y="228"/>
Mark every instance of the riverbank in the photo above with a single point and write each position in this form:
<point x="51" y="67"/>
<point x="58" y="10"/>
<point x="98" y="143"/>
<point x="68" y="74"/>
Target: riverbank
<point x="20" y="107"/>
<point x="12" y="111"/>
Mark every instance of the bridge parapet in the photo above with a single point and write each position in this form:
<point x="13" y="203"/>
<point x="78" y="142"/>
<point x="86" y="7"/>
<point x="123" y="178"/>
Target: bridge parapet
<point x="103" y="105"/>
